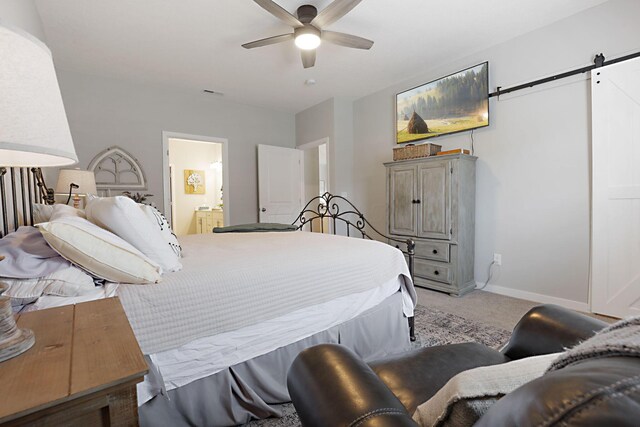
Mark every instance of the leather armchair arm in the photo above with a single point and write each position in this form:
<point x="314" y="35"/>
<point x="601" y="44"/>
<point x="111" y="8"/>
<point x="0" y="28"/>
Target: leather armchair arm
<point x="331" y="386"/>
<point x="549" y="329"/>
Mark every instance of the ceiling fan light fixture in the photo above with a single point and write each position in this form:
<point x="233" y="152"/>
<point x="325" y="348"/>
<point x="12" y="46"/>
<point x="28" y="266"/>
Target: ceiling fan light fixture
<point x="307" y="41"/>
<point x="307" y="37"/>
<point x="308" y="27"/>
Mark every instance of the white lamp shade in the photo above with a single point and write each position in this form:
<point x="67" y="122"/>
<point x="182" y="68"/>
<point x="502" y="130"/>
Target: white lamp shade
<point x="85" y="180"/>
<point x="33" y="124"/>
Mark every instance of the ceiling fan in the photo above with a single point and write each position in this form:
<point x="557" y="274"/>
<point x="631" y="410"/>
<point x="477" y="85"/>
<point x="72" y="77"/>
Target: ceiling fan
<point x="308" y="28"/>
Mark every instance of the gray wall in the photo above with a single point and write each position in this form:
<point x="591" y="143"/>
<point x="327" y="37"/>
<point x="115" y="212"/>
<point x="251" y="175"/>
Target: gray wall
<point x="315" y="123"/>
<point x="103" y="112"/>
<point x="533" y="174"/>
<point x="22" y="14"/>
<point x="311" y="173"/>
<point x="332" y="118"/>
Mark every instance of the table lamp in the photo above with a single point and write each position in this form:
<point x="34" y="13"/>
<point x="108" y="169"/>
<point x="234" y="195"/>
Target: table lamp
<point x="33" y="132"/>
<point x="76" y="183"/>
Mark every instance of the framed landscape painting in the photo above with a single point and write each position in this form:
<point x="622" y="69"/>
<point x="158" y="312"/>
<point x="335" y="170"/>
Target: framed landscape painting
<point x="451" y="104"/>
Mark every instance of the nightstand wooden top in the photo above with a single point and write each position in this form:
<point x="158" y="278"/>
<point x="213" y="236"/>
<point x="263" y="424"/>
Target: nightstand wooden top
<point x="80" y="350"/>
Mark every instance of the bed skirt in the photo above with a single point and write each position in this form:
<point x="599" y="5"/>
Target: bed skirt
<point x="255" y="389"/>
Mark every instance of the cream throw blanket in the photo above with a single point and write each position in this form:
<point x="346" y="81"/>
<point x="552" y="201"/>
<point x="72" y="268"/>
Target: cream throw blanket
<point x="469" y="394"/>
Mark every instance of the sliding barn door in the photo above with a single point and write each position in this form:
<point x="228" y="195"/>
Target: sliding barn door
<point x="615" y="277"/>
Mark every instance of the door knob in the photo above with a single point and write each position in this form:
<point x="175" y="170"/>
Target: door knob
<point x="263" y="209"/>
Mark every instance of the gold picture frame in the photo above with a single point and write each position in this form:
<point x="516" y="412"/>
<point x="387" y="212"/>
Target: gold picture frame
<point x="194" y="181"/>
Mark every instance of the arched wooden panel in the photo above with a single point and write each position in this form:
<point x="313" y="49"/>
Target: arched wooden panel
<point x="116" y="169"/>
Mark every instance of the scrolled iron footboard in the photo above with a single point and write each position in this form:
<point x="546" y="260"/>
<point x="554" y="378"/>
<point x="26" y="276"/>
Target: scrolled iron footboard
<point x="334" y="212"/>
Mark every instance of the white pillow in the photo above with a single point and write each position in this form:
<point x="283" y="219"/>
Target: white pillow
<point x="468" y="395"/>
<point x="41" y="213"/>
<point x="98" y="251"/>
<point x="68" y="282"/>
<point x="123" y="217"/>
<point x="160" y="222"/>
<point x="59" y="211"/>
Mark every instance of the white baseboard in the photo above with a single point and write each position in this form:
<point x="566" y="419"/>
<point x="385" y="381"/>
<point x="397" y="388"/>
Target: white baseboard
<point x="531" y="296"/>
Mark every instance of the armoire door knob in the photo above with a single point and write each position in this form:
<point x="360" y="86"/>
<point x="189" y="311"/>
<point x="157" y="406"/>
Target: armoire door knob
<point x="263" y="209"/>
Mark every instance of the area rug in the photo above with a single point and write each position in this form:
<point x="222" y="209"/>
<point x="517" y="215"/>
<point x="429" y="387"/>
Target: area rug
<point x="432" y="327"/>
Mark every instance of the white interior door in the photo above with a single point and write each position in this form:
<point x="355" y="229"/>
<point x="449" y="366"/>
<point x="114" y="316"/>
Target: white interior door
<point x="280" y="183"/>
<point x="615" y="277"/>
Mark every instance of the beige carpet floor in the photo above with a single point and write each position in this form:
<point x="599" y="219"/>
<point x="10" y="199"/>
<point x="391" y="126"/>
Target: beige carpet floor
<point x="485" y="307"/>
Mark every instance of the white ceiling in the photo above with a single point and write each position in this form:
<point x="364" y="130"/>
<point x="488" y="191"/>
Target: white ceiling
<point x="195" y="44"/>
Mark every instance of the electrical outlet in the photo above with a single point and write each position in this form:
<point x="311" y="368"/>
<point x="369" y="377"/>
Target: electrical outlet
<point x="497" y="258"/>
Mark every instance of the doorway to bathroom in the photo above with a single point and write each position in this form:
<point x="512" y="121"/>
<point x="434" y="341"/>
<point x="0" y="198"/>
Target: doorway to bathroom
<point x="195" y="172"/>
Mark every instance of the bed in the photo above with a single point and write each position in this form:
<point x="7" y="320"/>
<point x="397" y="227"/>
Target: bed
<point x="220" y="334"/>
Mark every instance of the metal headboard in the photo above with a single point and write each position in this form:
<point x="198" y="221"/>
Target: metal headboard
<point x="328" y="207"/>
<point x="337" y="210"/>
<point x="20" y="188"/>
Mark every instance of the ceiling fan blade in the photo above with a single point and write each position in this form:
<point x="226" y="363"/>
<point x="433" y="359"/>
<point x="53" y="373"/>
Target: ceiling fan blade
<point x="346" y="40"/>
<point x="308" y="58"/>
<point x="333" y="12"/>
<point x="279" y="12"/>
<point x="269" y="40"/>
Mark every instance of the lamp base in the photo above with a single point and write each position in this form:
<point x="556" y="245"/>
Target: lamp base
<point x="13" y="341"/>
<point x="22" y="341"/>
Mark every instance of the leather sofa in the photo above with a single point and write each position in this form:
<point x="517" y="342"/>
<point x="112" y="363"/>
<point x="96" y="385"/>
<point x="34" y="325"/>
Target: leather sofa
<point x="330" y="386"/>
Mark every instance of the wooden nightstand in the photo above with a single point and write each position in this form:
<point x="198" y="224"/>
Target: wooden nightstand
<point x="82" y="370"/>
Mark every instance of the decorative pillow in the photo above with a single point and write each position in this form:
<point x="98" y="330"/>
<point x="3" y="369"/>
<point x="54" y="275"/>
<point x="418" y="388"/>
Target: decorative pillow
<point x="468" y="395"/>
<point x="160" y="222"/>
<point x="27" y="255"/>
<point x="123" y="217"/>
<point x="60" y="211"/>
<point x="41" y="213"/>
<point x="69" y="282"/>
<point x="98" y="251"/>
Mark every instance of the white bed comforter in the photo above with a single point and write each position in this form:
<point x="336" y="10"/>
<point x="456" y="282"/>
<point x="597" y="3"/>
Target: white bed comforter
<point x="234" y="280"/>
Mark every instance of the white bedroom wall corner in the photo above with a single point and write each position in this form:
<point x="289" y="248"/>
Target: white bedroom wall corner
<point x="344" y="150"/>
<point x="317" y="123"/>
<point x="331" y="119"/>
<point x="374" y="143"/>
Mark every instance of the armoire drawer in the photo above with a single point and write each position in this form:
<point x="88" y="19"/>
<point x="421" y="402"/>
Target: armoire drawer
<point x="432" y="271"/>
<point x="437" y="251"/>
